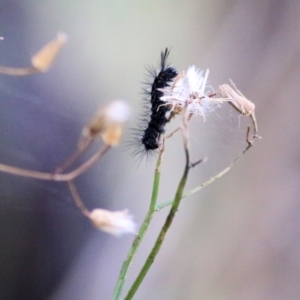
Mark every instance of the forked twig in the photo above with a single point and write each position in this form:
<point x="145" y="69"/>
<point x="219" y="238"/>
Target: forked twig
<point x="214" y="178"/>
<point x="75" y="156"/>
<point x="177" y="129"/>
<point x="83" y="168"/>
<point x="56" y="177"/>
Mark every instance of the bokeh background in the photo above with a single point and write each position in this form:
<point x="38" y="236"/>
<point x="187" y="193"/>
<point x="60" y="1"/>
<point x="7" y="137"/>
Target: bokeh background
<point x="237" y="239"/>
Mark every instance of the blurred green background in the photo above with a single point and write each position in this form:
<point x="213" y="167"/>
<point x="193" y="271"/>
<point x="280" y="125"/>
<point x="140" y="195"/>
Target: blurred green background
<point x="237" y="239"/>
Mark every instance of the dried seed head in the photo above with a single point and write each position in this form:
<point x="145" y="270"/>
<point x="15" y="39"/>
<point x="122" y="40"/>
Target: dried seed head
<point x="237" y="99"/>
<point x="190" y="93"/>
<point x="108" y="123"/>
<point x="44" y="58"/>
<point x="242" y="105"/>
<point x="115" y="223"/>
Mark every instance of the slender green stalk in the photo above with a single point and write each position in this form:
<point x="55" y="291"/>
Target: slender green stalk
<point x="139" y="237"/>
<point x="166" y="226"/>
<point x="208" y="182"/>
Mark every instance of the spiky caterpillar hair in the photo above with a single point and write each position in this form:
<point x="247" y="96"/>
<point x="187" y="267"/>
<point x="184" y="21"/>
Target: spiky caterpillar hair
<point x="149" y="135"/>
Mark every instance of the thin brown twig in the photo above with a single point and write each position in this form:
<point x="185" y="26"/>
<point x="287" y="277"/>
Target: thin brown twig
<point x="214" y="178"/>
<point x="177" y="129"/>
<point x="77" y="198"/>
<point x="56" y="177"/>
<point x="83" y="168"/>
<point x="172" y="133"/>
<point x="192" y="165"/>
<point x="71" y="159"/>
<point x="18" y="71"/>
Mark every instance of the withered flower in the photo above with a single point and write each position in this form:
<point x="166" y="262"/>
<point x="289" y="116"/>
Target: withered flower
<point x="190" y="91"/>
<point x="108" y="123"/>
<point x="241" y="104"/>
<point x="237" y="99"/>
<point x="113" y="222"/>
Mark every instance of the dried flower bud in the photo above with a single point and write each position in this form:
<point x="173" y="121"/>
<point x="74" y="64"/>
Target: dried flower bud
<point x="44" y="58"/>
<point x="237" y="99"/>
<point x="108" y="123"/>
<point x="115" y="223"/>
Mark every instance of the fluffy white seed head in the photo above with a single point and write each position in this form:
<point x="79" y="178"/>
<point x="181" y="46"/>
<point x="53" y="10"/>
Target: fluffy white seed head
<point x="117" y="112"/>
<point x="190" y="91"/>
<point x="113" y="222"/>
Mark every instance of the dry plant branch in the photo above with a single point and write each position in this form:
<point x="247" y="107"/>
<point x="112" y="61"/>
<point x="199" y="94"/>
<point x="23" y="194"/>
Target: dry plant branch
<point x="41" y="61"/>
<point x="56" y="177"/>
<point x="73" y="158"/>
<point x="18" y="71"/>
<point x="77" y="198"/>
<point x="212" y="179"/>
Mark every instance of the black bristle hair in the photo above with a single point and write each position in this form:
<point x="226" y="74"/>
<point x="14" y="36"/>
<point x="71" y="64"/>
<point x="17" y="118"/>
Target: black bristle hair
<point x="155" y="117"/>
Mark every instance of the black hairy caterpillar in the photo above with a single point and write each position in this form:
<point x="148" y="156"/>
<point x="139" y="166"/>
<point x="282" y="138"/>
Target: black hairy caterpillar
<point x="158" y="110"/>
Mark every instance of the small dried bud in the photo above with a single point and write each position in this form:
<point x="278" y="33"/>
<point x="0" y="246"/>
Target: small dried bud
<point x="44" y="58"/>
<point x="108" y="123"/>
<point x="237" y="99"/>
<point x="112" y="135"/>
<point x="115" y="223"/>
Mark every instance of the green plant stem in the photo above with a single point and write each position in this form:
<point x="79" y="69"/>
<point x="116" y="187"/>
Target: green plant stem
<point x="208" y="182"/>
<point x="162" y="234"/>
<point x="143" y="229"/>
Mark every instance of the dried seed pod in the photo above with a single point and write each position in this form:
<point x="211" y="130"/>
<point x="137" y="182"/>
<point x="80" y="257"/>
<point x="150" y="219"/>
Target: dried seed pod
<point x="44" y="58"/>
<point x="107" y="123"/>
